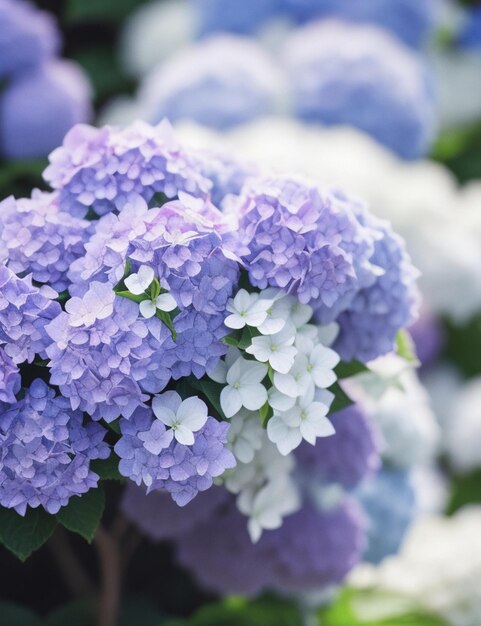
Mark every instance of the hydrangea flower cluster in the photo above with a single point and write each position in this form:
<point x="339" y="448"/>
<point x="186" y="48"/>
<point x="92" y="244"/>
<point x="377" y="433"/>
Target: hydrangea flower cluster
<point x="46" y="450"/>
<point x="348" y="74"/>
<point x="206" y="340"/>
<point x="410" y="20"/>
<point x="194" y="85"/>
<point x="43" y="96"/>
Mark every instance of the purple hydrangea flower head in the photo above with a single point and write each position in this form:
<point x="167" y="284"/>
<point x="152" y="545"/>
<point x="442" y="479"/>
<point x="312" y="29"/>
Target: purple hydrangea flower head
<point x="303" y="242"/>
<point x="27" y="37"/>
<point x="227" y="173"/>
<point x="25" y="310"/>
<point x="194" y="85"/>
<point x="45" y="451"/>
<point x="313" y="549"/>
<point x="37" y="109"/>
<point x="9" y="379"/>
<point x="348" y="456"/>
<point x="104" y="356"/>
<point x="38" y="238"/>
<point x="157" y="515"/>
<point x="389" y="502"/>
<point x="150" y="457"/>
<point x="411" y="20"/>
<point x="361" y="76"/>
<point x="368" y="329"/>
<point x="428" y="335"/>
<point x="190" y="256"/>
<point x="317" y="549"/>
<point x="102" y="168"/>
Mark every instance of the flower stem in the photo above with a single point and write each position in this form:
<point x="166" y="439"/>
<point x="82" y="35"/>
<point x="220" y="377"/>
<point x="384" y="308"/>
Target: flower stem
<point x="110" y="568"/>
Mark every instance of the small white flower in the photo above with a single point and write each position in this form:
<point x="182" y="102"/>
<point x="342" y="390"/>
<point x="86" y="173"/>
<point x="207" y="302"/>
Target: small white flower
<point x="245" y="435"/>
<point x="276" y="349"/>
<point x="280" y="401"/>
<point x="163" y="302"/>
<point x="322" y="362"/>
<point x="306" y="420"/>
<point x="328" y="333"/>
<point x="246" y="309"/>
<point x="292" y="309"/>
<point x="139" y="282"/>
<point x="298" y="381"/>
<point x="307" y="337"/>
<point x="267" y="507"/>
<point x="276" y="316"/>
<point x="185" y="417"/>
<point x="244" y="388"/>
<point x="219" y="373"/>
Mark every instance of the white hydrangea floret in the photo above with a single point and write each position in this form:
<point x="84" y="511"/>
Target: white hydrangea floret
<point x="163" y="302"/>
<point x="277" y="349"/>
<point x="245" y="435"/>
<point x="305" y="420"/>
<point x="183" y="417"/>
<point x="246" y="309"/>
<point x="244" y="388"/>
<point x="137" y="283"/>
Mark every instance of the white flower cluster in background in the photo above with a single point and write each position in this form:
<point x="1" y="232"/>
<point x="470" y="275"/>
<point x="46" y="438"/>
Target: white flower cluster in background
<point x="413" y="196"/>
<point x="439" y="566"/>
<point x="392" y="394"/>
<point x="458" y="407"/>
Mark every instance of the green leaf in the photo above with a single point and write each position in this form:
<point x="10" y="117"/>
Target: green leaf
<point x="465" y="490"/>
<point x="81" y="613"/>
<point x="24" y="535"/>
<point x="93" y="10"/>
<point x="238" y="611"/>
<point x="231" y="340"/>
<point x="211" y="390"/>
<point x="131" y="296"/>
<point x="341" y="399"/>
<point x="167" y="320"/>
<point x="265" y="413"/>
<point x="107" y="469"/>
<point x="347" y="370"/>
<point x="373" y="607"/>
<point x="17" y="615"/>
<point x="405" y="347"/>
<point x="83" y="513"/>
<point x="247" y="335"/>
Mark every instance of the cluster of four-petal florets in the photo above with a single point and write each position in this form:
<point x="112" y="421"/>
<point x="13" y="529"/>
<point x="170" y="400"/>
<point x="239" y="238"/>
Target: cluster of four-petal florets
<point x="276" y="365"/>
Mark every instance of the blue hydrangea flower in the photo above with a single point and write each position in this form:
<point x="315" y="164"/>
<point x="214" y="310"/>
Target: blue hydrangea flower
<point x="411" y="20"/>
<point x="27" y="37"/>
<point x="38" y="108"/>
<point x="45" y="451"/>
<point x="470" y="35"/>
<point x="233" y="16"/>
<point x="38" y="238"/>
<point x="368" y="328"/>
<point x="25" y="310"/>
<point x="389" y="503"/>
<point x="101" y="169"/>
<point x="345" y="74"/>
<point x="181" y="470"/>
<point x="9" y="378"/>
<point x="303" y="242"/>
<point x="312" y="550"/>
<point x="347" y="457"/>
<point x="194" y="85"/>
